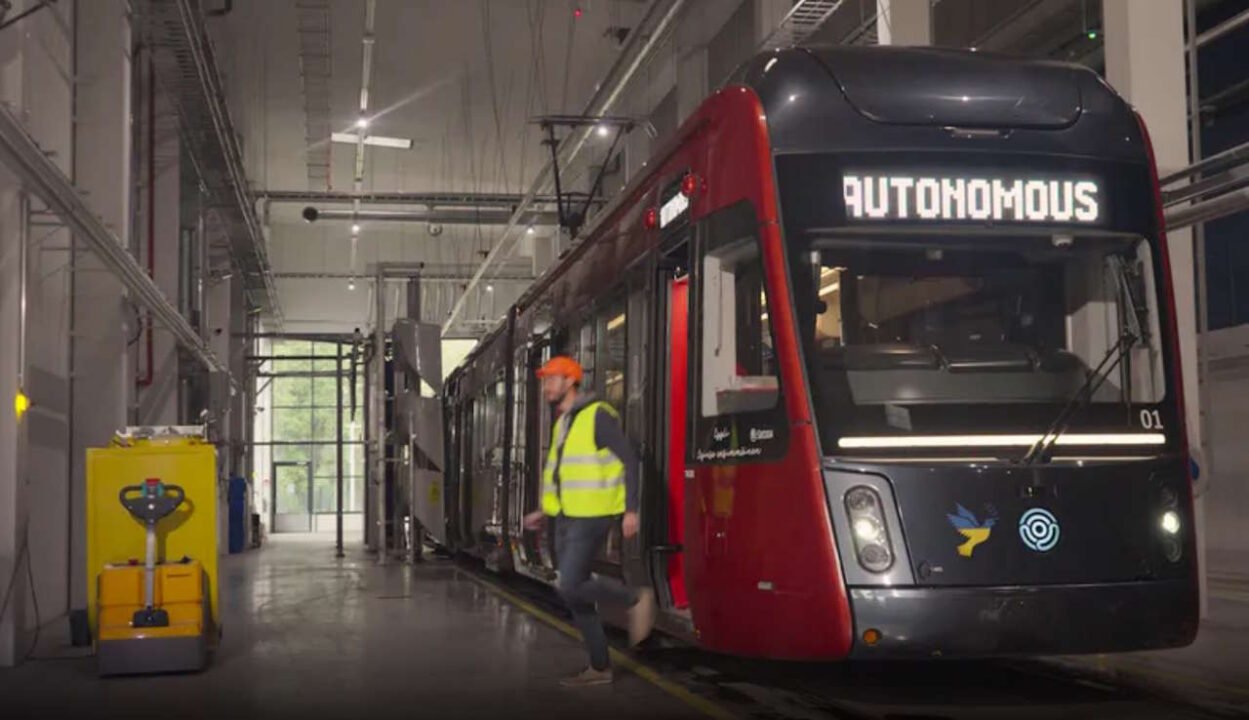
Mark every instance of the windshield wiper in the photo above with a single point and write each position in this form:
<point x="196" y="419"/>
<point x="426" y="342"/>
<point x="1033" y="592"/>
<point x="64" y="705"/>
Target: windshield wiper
<point x="1081" y="398"/>
<point x="1136" y="330"/>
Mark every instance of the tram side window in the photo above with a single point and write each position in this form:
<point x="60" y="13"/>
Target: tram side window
<point x="612" y="358"/>
<point x="738" y="362"/>
<point x="497" y="395"/>
<point x="588" y="354"/>
<point x="581" y="346"/>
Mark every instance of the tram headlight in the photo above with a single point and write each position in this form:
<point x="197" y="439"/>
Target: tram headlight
<point x="866" y="529"/>
<point x="867" y="522"/>
<point x="1170" y="522"/>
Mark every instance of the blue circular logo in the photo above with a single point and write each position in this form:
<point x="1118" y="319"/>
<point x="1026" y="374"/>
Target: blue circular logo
<point x="1038" y="528"/>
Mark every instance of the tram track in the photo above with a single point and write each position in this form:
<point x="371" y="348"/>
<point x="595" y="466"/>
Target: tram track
<point x="899" y="690"/>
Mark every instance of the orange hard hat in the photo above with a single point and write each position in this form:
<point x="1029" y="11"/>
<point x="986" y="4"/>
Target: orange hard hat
<point x="562" y="365"/>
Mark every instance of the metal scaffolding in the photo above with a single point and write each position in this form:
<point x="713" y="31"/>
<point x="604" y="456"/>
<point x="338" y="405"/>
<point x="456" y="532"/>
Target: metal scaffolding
<point x="315" y="69"/>
<point x="183" y="58"/>
<point x="42" y="178"/>
<point x="804" y="19"/>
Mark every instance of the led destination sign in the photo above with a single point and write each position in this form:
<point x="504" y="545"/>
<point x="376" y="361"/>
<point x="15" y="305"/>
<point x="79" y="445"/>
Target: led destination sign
<point x="672" y="210"/>
<point x="877" y="197"/>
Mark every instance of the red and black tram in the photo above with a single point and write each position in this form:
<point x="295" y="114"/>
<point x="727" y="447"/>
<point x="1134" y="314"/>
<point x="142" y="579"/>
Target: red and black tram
<point x="893" y="331"/>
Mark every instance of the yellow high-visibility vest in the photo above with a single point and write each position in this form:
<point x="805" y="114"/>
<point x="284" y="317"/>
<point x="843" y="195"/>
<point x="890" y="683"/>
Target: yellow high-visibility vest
<point x="591" y="479"/>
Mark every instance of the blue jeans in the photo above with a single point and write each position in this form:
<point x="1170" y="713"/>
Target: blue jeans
<point x="577" y="544"/>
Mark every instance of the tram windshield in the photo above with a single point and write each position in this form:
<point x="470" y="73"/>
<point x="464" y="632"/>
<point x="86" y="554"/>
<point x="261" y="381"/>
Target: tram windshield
<point x="977" y="334"/>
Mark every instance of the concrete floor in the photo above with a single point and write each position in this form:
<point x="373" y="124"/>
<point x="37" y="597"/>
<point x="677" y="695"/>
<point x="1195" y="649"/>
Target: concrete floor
<point x="310" y="636"/>
<point x="1213" y="671"/>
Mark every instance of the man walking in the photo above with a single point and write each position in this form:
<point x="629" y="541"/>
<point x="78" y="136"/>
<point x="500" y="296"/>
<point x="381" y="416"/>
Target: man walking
<point x="590" y="481"/>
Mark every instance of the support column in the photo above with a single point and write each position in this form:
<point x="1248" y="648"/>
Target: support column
<point x="237" y="361"/>
<point x="904" y="22"/>
<point x="159" y="232"/>
<point x="1145" y="60"/>
<point x="36" y="71"/>
<point x="101" y="375"/>
<point x="377" y="417"/>
<point x="13" y="490"/>
<point x="224" y="297"/>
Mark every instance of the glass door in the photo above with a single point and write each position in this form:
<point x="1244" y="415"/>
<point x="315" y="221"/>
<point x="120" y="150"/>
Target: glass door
<point x="292" y="497"/>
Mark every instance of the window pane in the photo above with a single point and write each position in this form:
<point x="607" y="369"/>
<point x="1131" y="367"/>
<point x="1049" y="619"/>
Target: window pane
<point x="292" y="347"/>
<point x="326" y="460"/>
<point x="354" y="494"/>
<point x="288" y="366"/>
<point x="585" y="353"/>
<point x="291" y="424"/>
<point x="324" y="390"/>
<point x="325" y="494"/>
<point x="291" y="453"/>
<point x="739" y="365"/>
<point x="292" y="392"/>
<point x="612" y="358"/>
<point x="323" y="423"/>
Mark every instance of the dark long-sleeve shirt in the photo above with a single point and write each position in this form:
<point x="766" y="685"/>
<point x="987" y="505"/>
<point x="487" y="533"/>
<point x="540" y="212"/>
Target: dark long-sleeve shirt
<point x="609" y="434"/>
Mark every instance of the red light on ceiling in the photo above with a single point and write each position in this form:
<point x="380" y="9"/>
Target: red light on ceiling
<point x="690" y="185"/>
<point x="651" y="219"/>
<point x="576" y="12"/>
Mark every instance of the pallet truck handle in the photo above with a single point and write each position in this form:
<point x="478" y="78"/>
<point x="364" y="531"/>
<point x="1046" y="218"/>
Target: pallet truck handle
<point x="150" y="504"/>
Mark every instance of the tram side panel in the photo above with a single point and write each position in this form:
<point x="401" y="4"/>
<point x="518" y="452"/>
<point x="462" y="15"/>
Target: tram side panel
<point x="762" y="568"/>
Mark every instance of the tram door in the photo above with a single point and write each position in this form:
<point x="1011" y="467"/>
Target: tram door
<point x="678" y="322"/>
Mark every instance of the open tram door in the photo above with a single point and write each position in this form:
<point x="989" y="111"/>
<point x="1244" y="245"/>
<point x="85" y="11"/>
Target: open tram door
<point x="672" y="360"/>
<point x="678" y="363"/>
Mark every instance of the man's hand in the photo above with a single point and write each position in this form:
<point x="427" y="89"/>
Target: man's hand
<point x="535" y="520"/>
<point x="631" y="524"/>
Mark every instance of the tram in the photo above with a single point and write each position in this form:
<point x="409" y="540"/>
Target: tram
<point x="893" y="332"/>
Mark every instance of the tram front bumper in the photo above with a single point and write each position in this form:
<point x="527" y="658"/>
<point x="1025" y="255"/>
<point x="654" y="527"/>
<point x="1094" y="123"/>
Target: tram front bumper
<point x="1040" y="620"/>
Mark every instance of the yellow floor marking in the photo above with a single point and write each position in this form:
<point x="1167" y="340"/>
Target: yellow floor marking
<point x="699" y="703"/>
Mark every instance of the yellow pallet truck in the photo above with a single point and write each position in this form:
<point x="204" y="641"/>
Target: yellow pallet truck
<point x="153" y="618"/>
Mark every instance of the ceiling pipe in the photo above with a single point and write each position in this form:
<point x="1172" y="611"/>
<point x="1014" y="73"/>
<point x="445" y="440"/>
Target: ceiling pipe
<point x="428" y="199"/>
<point x="1208" y="210"/>
<point x="23" y="156"/>
<point x="656" y="20"/>
<point x="425" y="277"/>
<point x="453" y="216"/>
<point x="1222" y="28"/>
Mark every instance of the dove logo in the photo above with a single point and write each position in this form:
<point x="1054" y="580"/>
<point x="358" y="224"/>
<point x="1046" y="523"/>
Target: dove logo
<point x="975" y="531"/>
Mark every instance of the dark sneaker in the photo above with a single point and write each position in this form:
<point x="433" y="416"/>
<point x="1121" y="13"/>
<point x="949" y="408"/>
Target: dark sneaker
<point x="642" y="616"/>
<point x="587" y="677"/>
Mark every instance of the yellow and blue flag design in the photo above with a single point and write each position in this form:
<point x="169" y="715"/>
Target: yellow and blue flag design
<point x="969" y="527"/>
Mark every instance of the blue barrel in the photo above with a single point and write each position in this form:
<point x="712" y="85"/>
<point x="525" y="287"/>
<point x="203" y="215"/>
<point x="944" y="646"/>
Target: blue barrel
<point x="237" y="500"/>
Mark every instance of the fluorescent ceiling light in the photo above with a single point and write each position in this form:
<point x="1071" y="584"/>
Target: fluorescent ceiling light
<point x="378" y="140"/>
<point x="934" y="441"/>
<point x="829" y="289"/>
<point x="616" y="322"/>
